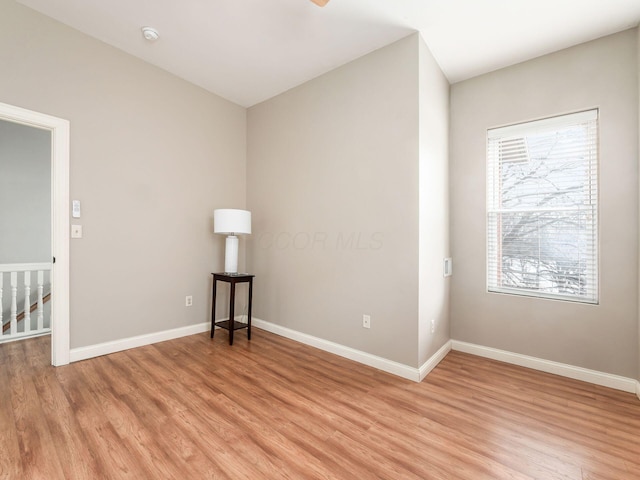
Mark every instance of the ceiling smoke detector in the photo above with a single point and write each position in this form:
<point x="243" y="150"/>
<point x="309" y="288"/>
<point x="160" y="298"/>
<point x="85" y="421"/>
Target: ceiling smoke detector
<point x="150" y="34"/>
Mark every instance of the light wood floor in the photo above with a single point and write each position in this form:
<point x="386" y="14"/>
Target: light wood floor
<point x="195" y="408"/>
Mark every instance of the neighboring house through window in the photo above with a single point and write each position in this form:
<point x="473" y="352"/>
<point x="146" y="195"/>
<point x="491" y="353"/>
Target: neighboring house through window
<point x="542" y="205"/>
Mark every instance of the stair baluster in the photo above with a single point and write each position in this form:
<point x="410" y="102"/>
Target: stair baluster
<point x="40" y="314"/>
<point x="14" y="304"/>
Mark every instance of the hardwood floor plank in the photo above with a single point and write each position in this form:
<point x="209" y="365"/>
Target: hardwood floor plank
<point x="551" y="395"/>
<point x="585" y="430"/>
<point x="562" y="434"/>
<point x="9" y="467"/>
<point x="208" y="415"/>
<point x="275" y="409"/>
<point x="37" y="449"/>
<point x="404" y="426"/>
<point x="75" y="459"/>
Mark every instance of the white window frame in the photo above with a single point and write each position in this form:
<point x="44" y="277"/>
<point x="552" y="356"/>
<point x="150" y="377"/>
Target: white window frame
<point x="496" y="211"/>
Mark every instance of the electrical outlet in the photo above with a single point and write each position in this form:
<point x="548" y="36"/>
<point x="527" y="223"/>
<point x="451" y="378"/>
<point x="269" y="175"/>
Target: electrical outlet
<point x="433" y="325"/>
<point x="366" y="321"/>
<point x="188" y="301"/>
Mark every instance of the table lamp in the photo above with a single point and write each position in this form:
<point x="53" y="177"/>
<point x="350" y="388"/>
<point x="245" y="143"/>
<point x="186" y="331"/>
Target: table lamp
<point x="231" y="222"/>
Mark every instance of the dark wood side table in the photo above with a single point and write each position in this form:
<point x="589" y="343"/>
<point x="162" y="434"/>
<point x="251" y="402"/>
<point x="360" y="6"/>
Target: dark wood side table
<point x="231" y="324"/>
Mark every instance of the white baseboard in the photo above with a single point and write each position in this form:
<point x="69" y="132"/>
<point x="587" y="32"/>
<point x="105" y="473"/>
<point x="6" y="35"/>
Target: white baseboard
<point x="577" y="373"/>
<point x="435" y="359"/>
<point x="83" y="353"/>
<point x="389" y="366"/>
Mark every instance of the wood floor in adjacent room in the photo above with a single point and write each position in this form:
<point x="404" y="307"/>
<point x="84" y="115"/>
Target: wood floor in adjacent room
<point x="195" y="408"/>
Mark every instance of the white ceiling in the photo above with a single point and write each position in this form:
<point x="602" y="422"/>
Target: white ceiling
<point x="250" y="50"/>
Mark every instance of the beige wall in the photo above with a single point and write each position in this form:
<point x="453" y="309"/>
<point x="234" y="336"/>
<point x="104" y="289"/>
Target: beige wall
<point x="638" y="66"/>
<point x="333" y="187"/>
<point x="602" y="74"/>
<point x="151" y="157"/>
<point x="434" y="204"/>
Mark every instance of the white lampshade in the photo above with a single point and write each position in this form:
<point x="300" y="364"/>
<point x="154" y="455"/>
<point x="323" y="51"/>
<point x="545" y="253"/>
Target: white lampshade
<point x="231" y="221"/>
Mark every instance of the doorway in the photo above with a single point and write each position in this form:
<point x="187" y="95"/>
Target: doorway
<point x="59" y="136"/>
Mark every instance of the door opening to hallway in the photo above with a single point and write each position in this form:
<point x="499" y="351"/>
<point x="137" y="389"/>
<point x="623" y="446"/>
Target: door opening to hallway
<point x="34" y="237"/>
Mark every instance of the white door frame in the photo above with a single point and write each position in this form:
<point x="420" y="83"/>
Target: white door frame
<point x="59" y="129"/>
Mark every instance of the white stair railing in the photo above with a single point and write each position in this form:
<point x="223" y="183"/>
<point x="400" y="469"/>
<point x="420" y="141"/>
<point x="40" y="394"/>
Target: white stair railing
<point x="19" y="323"/>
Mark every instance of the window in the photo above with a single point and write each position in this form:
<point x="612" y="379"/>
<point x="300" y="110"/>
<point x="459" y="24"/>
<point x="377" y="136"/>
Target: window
<point x="542" y="205"/>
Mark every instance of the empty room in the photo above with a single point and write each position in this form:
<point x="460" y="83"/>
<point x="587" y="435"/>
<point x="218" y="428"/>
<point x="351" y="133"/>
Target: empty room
<point x="319" y="239"/>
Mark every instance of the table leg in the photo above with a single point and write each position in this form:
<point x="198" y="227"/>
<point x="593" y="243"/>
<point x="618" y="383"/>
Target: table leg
<point x="213" y="308"/>
<point x="232" y="298"/>
<point x="249" y="312"/>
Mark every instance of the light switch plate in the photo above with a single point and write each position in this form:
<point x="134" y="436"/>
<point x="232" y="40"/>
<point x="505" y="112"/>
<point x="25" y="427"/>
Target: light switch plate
<point x="76" y="231"/>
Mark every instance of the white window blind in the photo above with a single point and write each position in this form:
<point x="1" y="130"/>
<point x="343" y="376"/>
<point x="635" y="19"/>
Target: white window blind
<point x="542" y="205"/>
